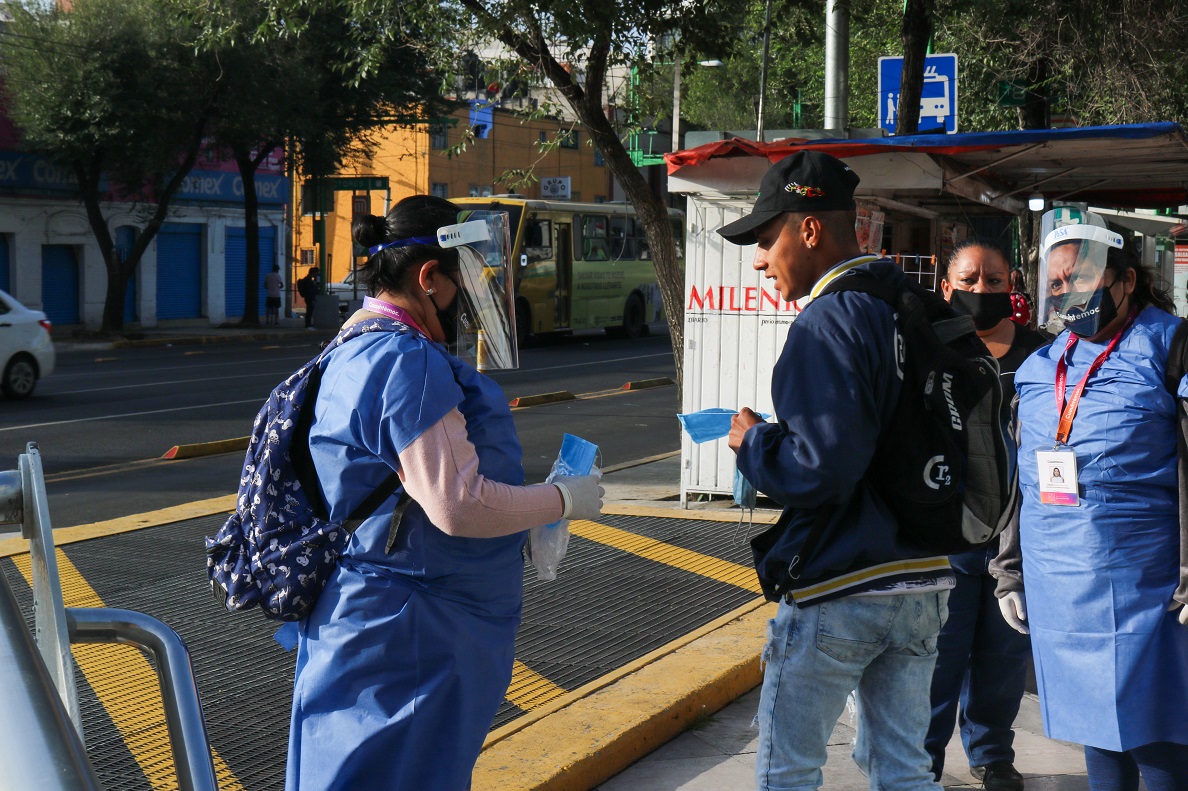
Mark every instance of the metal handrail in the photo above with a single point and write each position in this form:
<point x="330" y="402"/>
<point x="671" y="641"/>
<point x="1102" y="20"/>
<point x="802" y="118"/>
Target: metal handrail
<point x="179" y="692"/>
<point x="39" y="745"/>
<point x="34" y="745"/>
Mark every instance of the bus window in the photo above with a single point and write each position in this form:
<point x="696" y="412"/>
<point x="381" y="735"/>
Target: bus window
<point x="538" y="239"/>
<point x="621" y="231"/>
<point x="594" y="242"/>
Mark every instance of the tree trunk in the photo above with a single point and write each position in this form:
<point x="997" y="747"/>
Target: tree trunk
<point x="1035" y="113"/>
<point x="586" y="102"/>
<point x="251" y="238"/>
<point x="916" y="31"/>
<point x="651" y="212"/>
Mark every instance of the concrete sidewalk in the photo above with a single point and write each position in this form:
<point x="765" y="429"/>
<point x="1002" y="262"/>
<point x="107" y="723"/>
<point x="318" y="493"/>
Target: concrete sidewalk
<point x="717" y="752"/>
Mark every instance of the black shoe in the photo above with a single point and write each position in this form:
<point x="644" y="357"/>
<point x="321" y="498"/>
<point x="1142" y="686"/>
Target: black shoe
<point x="998" y="776"/>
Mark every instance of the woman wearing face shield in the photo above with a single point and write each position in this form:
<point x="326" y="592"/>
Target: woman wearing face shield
<point x="1098" y="581"/>
<point x="405" y="658"/>
<point x="981" y="662"/>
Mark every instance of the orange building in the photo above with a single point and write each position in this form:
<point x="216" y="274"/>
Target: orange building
<point x="416" y="160"/>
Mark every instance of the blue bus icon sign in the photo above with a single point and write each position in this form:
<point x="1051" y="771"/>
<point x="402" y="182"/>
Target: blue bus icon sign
<point x="938" y="98"/>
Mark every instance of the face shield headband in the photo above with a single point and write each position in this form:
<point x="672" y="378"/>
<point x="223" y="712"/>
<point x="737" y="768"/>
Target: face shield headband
<point x="1073" y="295"/>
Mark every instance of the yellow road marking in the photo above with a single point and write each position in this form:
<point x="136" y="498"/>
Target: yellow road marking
<point x="669" y="555"/>
<point x="127" y="687"/>
<point x="529" y="689"/>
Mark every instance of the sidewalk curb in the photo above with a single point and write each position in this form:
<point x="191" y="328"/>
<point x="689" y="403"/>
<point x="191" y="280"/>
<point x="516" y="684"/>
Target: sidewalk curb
<point x="543" y="398"/>
<point x="206" y="448"/>
<point x="643" y="384"/>
<point x="593" y="734"/>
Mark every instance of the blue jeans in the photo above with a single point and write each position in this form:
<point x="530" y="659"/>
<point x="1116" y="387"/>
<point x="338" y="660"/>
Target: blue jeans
<point x="981" y="663"/>
<point x="882" y="646"/>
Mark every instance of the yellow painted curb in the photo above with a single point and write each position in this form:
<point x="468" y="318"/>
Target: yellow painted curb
<point x="206" y="448"/>
<point x="178" y="513"/>
<point x="587" y="739"/>
<point x="627" y="508"/>
<point x="643" y="384"/>
<point x="543" y="398"/>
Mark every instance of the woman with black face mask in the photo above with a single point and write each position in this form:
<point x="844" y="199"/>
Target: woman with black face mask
<point x="1096" y="568"/>
<point x="981" y="662"/>
<point x="405" y="657"/>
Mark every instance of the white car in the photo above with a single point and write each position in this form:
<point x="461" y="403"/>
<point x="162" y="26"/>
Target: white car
<point x="346" y="289"/>
<point x="26" y="350"/>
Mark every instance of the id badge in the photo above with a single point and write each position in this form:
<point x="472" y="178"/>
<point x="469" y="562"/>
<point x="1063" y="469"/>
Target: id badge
<point x="1057" y="477"/>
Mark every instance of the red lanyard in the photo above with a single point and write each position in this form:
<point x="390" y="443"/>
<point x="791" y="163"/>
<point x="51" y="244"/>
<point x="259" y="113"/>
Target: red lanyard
<point x="1067" y="413"/>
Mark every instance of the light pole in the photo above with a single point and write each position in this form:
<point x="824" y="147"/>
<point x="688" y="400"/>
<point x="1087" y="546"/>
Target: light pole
<point x="763" y="72"/>
<point x="676" y="96"/>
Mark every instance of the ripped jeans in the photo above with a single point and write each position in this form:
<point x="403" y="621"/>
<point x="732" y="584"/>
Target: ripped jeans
<point x="882" y="646"/>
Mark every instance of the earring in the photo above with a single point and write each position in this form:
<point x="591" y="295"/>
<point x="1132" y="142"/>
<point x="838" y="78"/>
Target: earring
<point x="430" y="292"/>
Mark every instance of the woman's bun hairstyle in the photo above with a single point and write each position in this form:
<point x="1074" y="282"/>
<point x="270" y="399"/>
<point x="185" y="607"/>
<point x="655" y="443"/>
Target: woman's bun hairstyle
<point x="416" y="216"/>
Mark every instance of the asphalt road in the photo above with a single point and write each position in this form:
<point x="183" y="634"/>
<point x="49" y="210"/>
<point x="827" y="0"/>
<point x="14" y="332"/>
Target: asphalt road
<point x="105" y="417"/>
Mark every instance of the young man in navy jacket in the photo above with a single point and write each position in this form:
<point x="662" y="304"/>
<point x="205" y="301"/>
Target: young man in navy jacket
<point x="861" y="609"/>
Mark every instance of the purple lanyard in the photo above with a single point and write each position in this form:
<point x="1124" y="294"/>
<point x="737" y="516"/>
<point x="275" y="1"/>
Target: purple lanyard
<point x="392" y="311"/>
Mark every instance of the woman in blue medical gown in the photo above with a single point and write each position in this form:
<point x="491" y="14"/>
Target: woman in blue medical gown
<point x="404" y="660"/>
<point x="1100" y="585"/>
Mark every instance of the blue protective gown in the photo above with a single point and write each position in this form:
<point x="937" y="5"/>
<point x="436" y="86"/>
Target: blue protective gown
<point x="406" y="656"/>
<point x="1111" y="662"/>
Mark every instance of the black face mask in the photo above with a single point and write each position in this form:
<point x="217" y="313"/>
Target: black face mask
<point x="985" y="309"/>
<point x="1087" y="321"/>
<point x="448" y="317"/>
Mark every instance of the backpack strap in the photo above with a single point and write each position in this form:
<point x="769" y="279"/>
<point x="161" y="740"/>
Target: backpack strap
<point x="299" y="450"/>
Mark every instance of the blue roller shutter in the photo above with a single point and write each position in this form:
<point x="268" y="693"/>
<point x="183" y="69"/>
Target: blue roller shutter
<point x="179" y="271"/>
<point x="5" y="282"/>
<point x="59" y="283"/>
<point x="236" y="266"/>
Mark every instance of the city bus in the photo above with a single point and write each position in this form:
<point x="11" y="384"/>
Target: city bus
<point x="580" y="265"/>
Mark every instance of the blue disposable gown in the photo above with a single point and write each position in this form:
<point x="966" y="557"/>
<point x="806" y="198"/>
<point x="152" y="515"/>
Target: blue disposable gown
<point x="405" y="659"/>
<point x="1111" y="662"/>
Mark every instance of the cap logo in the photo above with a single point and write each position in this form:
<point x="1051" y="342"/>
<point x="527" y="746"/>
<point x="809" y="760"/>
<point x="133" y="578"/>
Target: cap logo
<point x="803" y="191"/>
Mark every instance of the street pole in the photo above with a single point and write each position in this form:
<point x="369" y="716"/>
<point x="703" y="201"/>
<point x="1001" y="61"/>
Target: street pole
<point x="763" y="71"/>
<point x="676" y="103"/>
<point x="837" y="64"/>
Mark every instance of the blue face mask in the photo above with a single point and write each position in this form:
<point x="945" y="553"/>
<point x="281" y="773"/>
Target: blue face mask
<point x="1087" y="320"/>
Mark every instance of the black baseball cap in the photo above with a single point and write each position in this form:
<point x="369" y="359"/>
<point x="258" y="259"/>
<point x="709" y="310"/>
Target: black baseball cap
<point x="807" y="181"/>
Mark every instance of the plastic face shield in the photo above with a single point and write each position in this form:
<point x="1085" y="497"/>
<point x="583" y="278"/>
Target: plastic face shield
<point x="1073" y="250"/>
<point x="486" y="302"/>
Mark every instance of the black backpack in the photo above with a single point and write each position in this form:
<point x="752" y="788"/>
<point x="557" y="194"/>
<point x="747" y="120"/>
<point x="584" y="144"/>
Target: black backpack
<point x="944" y="463"/>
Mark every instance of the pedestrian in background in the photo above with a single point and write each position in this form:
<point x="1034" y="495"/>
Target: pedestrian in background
<point x="1097" y="569"/>
<point x="405" y="658"/>
<point x="308" y="288"/>
<point x="981" y="663"/>
<point x="273" y="284"/>
<point x="863" y="610"/>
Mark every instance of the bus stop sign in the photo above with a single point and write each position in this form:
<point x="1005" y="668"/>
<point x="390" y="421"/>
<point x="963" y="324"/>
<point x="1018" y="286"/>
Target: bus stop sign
<point x="938" y="99"/>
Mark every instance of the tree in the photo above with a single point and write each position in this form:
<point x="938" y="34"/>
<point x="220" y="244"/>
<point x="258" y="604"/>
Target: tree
<point x="572" y="45"/>
<point x="112" y="89"/>
<point x="297" y="89"/>
<point x="916" y="33"/>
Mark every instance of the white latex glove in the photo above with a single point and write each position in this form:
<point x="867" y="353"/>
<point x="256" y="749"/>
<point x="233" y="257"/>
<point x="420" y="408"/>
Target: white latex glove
<point x="1182" y="615"/>
<point x="582" y="495"/>
<point x="1014" y="610"/>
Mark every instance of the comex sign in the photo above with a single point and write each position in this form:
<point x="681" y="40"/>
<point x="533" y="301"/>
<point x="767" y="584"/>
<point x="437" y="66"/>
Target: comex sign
<point x="938" y="98"/>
